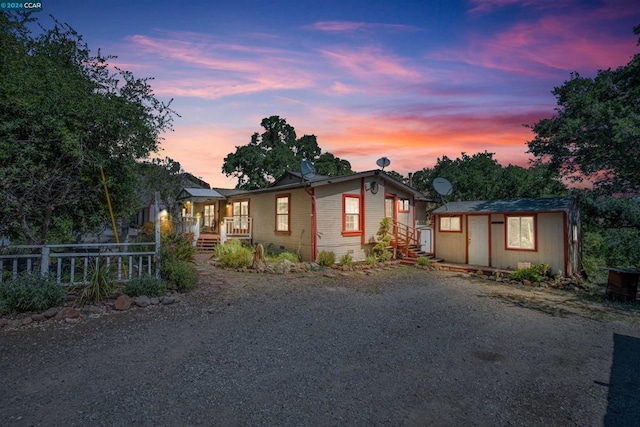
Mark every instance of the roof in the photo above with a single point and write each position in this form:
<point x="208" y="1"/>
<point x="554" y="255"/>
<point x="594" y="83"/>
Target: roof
<point x="319" y="180"/>
<point x="550" y="204"/>
<point x="200" y="193"/>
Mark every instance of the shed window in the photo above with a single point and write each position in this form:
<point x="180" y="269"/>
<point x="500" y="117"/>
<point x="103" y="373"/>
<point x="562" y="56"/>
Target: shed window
<point x="521" y="232"/>
<point x="282" y="213"/>
<point x="350" y="214"/>
<point x="450" y="223"/>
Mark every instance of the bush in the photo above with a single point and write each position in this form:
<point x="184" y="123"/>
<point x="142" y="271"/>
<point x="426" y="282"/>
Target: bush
<point x="535" y="273"/>
<point x="290" y="256"/>
<point x="371" y="260"/>
<point x="326" y="258"/>
<point x="423" y="261"/>
<point x="380" y="250"/>
<point x="346" y="260"/>
<point x="30" y="293"/>
<point x="177" y="246"/>
<point x="181" y="275"/>
<point x="145" y="285"/>
<point x="234" y="254"/>
<point x="100" y="285"/>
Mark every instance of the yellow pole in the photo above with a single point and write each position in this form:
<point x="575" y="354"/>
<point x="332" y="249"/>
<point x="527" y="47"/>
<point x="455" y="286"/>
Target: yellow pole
<point x="113" y="220"/>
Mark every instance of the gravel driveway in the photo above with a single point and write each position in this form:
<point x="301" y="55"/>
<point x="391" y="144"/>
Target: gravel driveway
<point x="399" y="347"/>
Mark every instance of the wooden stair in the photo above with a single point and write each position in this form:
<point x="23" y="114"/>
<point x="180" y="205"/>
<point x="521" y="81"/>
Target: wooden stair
<point x="410" y="254"/>
<point x="207" y="243"/>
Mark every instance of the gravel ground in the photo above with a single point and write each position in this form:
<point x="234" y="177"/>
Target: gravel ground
<point x="398" y="347"/>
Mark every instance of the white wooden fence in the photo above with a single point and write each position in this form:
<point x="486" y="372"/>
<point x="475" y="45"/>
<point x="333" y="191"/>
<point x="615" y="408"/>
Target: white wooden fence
<point x="73" y="264"/>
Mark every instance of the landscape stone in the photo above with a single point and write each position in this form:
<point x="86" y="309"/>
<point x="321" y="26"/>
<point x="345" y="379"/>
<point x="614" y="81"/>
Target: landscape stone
<point x="154" y="301"/>
<point x="50" y="312"/>
<point x="122" y="303"/>
<point x="4" y="322"/>
<point x="142" y="301"/>
<point x="71" y="320"/>
<point x="69" y="313"/>
<point x="168" y="300"/>
<point x="27" y="320"/>
<point x="37" y="317"/>
<point x="14" y="323"/>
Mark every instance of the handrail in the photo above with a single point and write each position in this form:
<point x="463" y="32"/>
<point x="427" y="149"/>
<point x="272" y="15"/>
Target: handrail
<point x="402" y="232"/>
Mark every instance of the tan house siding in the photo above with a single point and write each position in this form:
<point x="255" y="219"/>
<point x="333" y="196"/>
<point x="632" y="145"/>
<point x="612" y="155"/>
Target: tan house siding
<point x="330" y="238"/>
<point x="262" y="212"/>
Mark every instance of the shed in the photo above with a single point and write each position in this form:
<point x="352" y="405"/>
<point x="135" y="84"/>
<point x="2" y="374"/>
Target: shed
<point x="508" y="234"/>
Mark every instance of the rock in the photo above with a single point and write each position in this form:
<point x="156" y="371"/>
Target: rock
<point x="37" y="317"/>
<point x="154" y="301"/>
<point x="142" y="301"/>
<point x="50" y="313"/>
<point x="14" y="323"/>
<point x="69" y="313"/>
<point x="4" y="322"/>
<point x="122" y="303"/>
<point x="168" y="300"/>
<point x="27" y="320"/>
<point x="71" y="320"/>
<point x="526" y="282"/>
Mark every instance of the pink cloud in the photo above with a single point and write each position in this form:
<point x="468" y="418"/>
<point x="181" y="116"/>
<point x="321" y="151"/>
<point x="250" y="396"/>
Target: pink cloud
<point x="370" y="61"/>
<point x="485" y="6"/>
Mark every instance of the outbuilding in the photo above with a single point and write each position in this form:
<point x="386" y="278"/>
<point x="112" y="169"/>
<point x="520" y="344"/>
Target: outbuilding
<point x="509" y="234"/>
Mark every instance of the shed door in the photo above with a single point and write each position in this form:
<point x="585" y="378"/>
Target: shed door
<point x="478" y="240"/>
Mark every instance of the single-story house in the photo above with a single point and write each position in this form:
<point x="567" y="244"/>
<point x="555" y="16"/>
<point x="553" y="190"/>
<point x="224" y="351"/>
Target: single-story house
<point x="306" y="216"/>
<point x="506" y="234"/>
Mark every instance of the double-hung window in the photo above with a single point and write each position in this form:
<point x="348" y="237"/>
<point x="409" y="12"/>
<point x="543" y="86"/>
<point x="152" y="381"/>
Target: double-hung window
<point x="350" y="214"/>
<point x="283" y="213"/>
<point x="451" y="223"/>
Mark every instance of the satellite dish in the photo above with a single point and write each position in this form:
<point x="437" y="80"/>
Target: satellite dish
<point x="307" y="169"/>
<point x="442" y="186"/>
<point x="383" y="162"/>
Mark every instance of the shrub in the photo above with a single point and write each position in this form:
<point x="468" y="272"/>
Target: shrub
<point x="423" y="261"/>
<point x="30" y="293"/>
<point x="290" y="256"/>
<point x="371" y="260"/>
<point x="346" y="260"/>
<point x="234" y="254"/>
<point x="145" y="285"/>
<point x="181" y="275"/>
<point x="100" y="285"/>
<point x="178" y="246"/>
<point x="535" y="273"/>
<point x="326" y="258"/>
<point x="380" y="250"/>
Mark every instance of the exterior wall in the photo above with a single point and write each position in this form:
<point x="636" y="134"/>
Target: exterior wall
<point x="549" y="242"/>
<point x="574" y="240"/>
<point x="449" y="245"/>
<point x="262" y="210"/>
<point x="329" y="221"/>
<point x="374" y="204"/>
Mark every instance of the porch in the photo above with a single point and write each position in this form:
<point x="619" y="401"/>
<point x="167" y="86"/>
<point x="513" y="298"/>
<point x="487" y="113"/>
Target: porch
<point x="205" y="238"/>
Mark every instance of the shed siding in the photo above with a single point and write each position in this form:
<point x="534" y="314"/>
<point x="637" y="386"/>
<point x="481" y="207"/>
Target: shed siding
<point x="549" y="240"/>
<point x="450" y="246"/>
<point x="262" y="209"/>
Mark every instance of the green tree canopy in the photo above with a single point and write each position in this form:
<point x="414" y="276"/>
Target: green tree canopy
<point x="481" y="177"/>
<point x="595" y="134"/>
<point x="63" y="115"/>
<point x="275" y="151"/>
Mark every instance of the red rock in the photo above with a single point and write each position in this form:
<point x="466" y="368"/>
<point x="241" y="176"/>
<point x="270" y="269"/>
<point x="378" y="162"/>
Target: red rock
<point x="123" y="302"/>
<point x="69" y="313"/>
<point x="27" y="320"/>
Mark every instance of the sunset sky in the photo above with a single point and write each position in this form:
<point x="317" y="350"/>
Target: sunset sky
<point x="409" y="80"/>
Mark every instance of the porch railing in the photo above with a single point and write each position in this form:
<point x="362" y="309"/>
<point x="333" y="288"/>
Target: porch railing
<point x="73" y="264"/>
<point x="188" y="225"/>
<point x="404" y="237"/>
<point x="239" y="227"/>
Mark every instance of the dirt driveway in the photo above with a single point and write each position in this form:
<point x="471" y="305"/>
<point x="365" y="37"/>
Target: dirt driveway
<point x="398" y="347"/>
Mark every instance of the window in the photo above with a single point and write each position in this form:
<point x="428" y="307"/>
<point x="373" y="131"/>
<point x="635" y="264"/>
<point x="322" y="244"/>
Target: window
<point x="450" y="223"/>
<point x="240" y="210"/>
<point x="282" y="214"/>
<point x="403" y="205"/>
<point x="521" y="232"/>
<point x="350" y="214"/>
<point x="388" y="207"/>
<point x="209" y="216"/>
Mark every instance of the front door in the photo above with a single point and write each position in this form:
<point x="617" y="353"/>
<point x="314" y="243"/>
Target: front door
<point x="390" y="207"/>
<point x="478" y="240"/>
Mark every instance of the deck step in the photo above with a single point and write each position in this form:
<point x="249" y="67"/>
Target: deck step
<point x="207" y="244"/>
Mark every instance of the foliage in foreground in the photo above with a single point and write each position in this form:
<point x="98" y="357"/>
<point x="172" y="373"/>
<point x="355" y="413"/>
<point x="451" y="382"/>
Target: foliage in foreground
<point x="180" y="275"/>
<point x="535" y="273"/>
<point x="30" y="293"/>
<point x="346" y="260"/>
<point x="100" y="285"/>
<point x="423" y="261"/>
<point x="145" y="285"/>
<point x="326" y="258"/>
<point x="380" y="250"/>
<point x="234" y="254"/>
